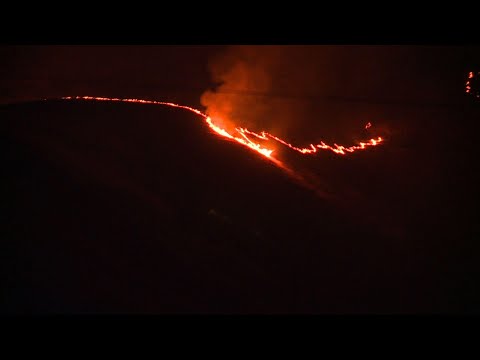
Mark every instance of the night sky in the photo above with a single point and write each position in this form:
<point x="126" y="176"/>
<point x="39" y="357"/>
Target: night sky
<point x="131" y="208"/>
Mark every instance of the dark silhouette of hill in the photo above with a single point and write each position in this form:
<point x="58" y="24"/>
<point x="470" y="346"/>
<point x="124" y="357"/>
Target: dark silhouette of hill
<point x="128" y="208"/>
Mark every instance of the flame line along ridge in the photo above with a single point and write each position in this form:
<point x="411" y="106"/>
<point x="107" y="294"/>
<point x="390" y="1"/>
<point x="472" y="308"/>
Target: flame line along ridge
<point x="243" y="132"/>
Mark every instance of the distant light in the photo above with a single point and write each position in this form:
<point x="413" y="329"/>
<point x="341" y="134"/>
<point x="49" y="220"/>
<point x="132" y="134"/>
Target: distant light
<point x="471" y="85"/>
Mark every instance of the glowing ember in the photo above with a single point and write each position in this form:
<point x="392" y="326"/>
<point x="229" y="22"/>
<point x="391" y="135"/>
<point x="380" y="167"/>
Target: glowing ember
<point x="243" y="134"/>
<point x="369" y="125"/>
<point x="471" y="85"/>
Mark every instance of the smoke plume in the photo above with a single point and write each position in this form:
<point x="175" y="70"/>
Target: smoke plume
<point x="318" y="92"/>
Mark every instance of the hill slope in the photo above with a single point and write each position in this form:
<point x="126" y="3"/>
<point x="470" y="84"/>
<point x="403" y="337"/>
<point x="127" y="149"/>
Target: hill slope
<point x="119" y="207"/>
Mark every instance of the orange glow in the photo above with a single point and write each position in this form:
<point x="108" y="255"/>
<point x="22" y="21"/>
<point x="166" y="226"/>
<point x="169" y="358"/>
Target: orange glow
<point x="337" y="149"/>
<point x="369" y="125"/>
<point x="243" y="135"/>
<point x="468" y="85"/>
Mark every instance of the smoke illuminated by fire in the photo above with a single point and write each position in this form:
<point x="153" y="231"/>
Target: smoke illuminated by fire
<point x="242" y="134"/>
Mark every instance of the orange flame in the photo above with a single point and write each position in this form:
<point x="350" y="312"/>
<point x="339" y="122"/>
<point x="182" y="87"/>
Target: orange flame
<point x="468" y="85"/>
<point x="243" y="133"/>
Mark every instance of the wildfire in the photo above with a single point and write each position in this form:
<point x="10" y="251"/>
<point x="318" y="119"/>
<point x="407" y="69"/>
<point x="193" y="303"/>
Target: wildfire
<point x="471" y="85"/>
<point x="243" y="136"/>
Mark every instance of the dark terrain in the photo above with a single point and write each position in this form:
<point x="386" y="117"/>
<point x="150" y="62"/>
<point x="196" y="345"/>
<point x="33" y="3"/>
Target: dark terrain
<point x="127" y="208"/>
